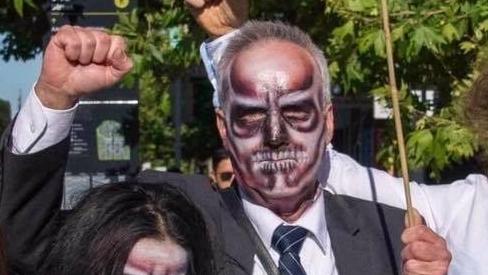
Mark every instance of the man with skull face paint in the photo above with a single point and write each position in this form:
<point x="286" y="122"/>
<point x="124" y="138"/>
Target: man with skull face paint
<point x="275" y="125"/>
<point x="275" y="118"/>
<point x="458" y="223"/>
<point x="276" y="121"/>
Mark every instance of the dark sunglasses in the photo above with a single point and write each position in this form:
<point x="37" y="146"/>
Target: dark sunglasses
<point x="225" y="176"/>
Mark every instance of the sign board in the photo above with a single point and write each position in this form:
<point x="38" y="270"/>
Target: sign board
<point x="87" y="13"/>
<point x="104" y="138"/>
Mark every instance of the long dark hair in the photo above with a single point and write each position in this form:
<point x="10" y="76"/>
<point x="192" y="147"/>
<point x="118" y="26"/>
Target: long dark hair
<point x="99" y="234"/>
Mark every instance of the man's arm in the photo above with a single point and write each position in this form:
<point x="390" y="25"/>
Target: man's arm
<point x="456" y="212"/>
<point x="30" y="198"/>
<point x="77" y="62"/>
<point x="221" y="19"/>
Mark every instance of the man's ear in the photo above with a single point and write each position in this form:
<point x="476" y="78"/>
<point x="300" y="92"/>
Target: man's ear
<point x="329" y="122"/>
<point x="212" y="176"/>
<point x="220" y="121"/>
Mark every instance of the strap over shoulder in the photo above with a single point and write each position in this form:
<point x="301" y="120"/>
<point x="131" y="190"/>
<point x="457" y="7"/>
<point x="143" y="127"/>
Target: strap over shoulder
<point x="234" y="204"/>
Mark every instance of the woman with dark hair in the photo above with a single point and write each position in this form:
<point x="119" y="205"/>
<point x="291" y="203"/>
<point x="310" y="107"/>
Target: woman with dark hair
<point x="132" y="229"/>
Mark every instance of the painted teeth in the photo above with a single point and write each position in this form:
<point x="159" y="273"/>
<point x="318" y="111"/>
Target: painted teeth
<point x="277" y="166"/>
<point x="276" y="155"/>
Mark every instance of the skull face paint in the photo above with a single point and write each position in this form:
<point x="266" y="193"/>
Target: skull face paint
<point x="275" y="120"/>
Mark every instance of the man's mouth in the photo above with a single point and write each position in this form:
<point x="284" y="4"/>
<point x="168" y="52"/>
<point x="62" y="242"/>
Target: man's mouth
<point x="282" y="161"/>
<point x="283" y="166"/>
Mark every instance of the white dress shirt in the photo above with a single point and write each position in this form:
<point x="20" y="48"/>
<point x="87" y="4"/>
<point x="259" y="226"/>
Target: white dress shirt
<point x="211" y="52"/>
<point x="316" y="255"/>
<point x="38" y="127"/>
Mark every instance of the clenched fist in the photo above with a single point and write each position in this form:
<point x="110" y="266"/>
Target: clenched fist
<point x="80" y="61"/>
<point x="425" y="252"/>
<point x="218" y="17"/>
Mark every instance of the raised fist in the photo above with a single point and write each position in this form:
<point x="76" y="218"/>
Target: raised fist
<point x="80" y="61"/>
<point x="218" y="17"/>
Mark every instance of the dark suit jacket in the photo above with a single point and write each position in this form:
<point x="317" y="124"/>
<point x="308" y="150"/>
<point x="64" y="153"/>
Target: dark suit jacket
<point x="31" y="190"/>
<point x="365" y="235"/>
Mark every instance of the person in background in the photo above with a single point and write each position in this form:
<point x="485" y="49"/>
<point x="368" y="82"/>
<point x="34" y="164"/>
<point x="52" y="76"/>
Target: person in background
<point x="132" y="229"/>
<point x="222" y="173"/>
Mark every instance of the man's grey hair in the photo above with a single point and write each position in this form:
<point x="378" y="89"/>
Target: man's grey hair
<point x="258" y="31"/>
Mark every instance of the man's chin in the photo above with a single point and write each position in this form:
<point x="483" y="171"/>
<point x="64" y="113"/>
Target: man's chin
<point x="280" y="192"/>
<point x="287" y="202"/>
<point x="276" y="187"/>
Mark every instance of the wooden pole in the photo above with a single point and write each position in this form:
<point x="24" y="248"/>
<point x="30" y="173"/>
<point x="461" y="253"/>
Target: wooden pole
<point x="396" y="110"/>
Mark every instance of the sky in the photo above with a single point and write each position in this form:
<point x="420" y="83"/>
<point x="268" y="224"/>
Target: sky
<point x="18" y="76"/>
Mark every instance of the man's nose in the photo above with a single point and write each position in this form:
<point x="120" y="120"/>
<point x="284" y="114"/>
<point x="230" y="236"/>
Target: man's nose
<point x="276" y="134"/>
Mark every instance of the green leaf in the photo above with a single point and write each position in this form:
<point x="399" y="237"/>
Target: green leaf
<point x="134" y="18"/>
<point x="381" y="92"/>
<point x="19" y="7"/>
<point x="483" y="26"/>
<point x="398" y="33"/>
<point x="366" y="41"/>
<point x="450" y="32"/>
<point x="373" y="39"/>
<point x="467" y="46"/>
<point x="124" y="19"/>
<point x="31" y="4"/>
<point x="439" y="153"/>
<point x="480" y="30"/>
<point x="379" y="44"/>
<point x="425" y="37"/>
<point x="354" y="70"/>
<point x="356" y="5"/>
<point x="343" y="31"/>
<point x="138" y="63"/>
<point x="156" y="53"/>
<point x="334" y="69"/>
<point x="420" y="144"/>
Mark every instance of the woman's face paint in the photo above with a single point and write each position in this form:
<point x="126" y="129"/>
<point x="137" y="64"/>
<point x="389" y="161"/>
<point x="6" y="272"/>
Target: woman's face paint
<point x="156" y="257"/>
<point x="275" y="123"/>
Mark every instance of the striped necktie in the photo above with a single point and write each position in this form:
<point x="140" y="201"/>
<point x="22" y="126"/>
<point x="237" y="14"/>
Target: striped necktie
<point x="288" y="241"/>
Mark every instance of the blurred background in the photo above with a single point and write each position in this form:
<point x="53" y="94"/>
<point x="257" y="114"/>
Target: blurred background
<point x="161" y="117"/>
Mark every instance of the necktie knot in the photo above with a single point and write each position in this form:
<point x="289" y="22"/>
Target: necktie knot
<point x="288" y="239"/>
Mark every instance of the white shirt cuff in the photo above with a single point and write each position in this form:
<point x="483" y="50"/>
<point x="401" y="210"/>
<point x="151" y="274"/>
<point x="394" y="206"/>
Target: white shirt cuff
<point x="38" y="127"/>
<point x="211" y="52"/>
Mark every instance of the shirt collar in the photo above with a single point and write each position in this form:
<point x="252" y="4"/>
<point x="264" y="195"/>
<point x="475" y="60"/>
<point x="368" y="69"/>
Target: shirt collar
<point x="265" y="221"/>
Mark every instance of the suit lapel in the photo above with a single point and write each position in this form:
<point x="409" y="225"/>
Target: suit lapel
<point x="238" y="249"/>
<point x="350" y="247"/>
<point x="238" y="245"/>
